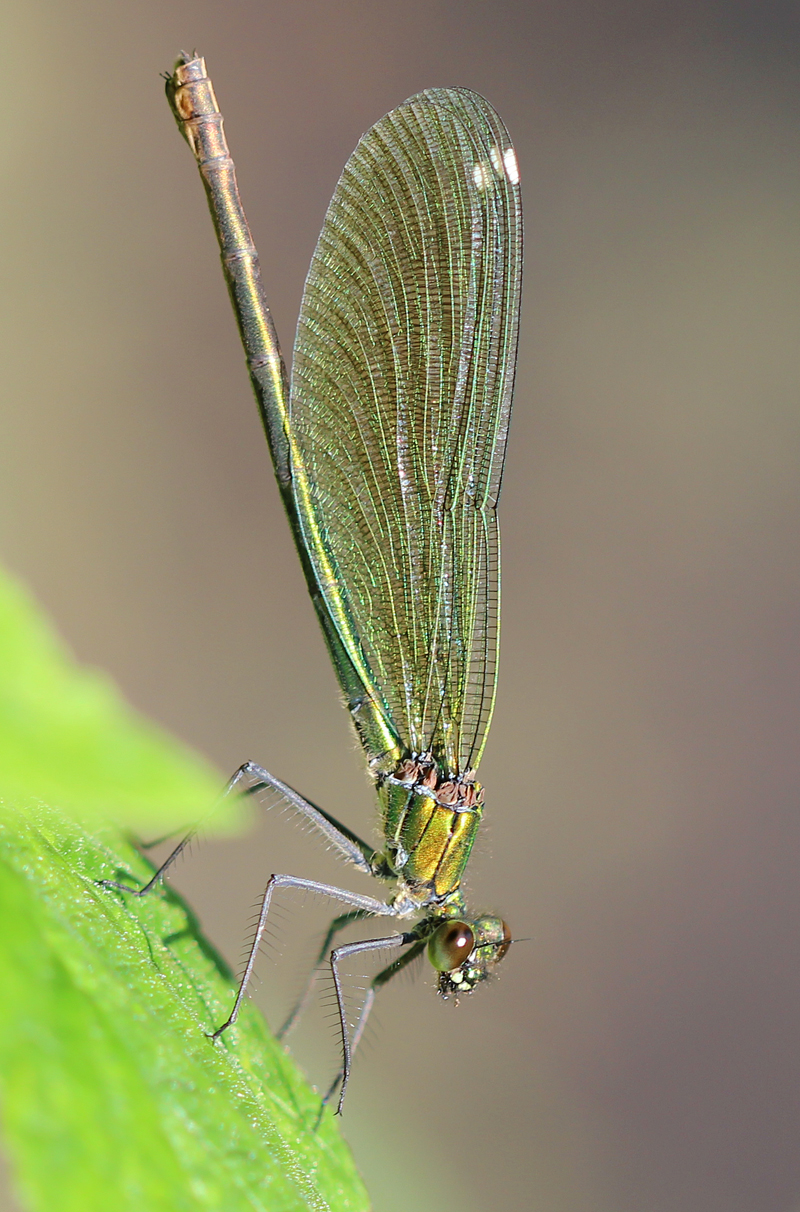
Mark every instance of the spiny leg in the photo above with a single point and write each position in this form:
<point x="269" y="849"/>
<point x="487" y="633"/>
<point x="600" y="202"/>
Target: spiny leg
<point x="338" y="923"/>
<point x="416" y="946"/>
<point x="349" y="846"/>
<point x="160" y="872"/>
<point x="377" y="982"/>
<point x="366" y="905"/>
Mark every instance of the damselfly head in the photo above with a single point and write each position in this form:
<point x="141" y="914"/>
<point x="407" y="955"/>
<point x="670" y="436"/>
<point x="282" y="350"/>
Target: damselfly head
<point x="466" y="953"/>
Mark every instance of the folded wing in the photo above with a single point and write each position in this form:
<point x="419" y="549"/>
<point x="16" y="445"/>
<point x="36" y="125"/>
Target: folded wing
<point x="400" y="400"/>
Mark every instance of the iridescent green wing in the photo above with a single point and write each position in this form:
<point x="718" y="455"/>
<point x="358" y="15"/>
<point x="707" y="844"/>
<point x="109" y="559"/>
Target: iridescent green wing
<point x="400" y="400"/>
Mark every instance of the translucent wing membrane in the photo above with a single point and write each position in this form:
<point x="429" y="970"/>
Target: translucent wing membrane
<point x="400" y="400"/>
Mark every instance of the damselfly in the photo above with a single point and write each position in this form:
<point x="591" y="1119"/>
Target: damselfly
<point x="388" y="448"/>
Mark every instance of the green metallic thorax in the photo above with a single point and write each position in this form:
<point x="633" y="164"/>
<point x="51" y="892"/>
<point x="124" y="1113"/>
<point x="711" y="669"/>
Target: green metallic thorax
<point x="429" y="822"/>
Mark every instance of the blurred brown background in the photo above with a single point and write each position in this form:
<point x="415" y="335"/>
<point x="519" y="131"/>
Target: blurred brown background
<point x="642" y="1052"/>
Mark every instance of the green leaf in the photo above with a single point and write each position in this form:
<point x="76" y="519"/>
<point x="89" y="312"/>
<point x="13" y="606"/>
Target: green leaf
<point x="112" y="1094"/>
<point x="68" y="738"/>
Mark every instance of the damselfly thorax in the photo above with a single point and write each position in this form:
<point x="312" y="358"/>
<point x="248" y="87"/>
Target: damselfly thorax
<point x="430" y="820"/>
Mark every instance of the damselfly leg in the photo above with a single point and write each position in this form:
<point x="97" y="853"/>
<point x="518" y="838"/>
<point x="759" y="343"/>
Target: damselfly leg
<point x="415" y="948"/>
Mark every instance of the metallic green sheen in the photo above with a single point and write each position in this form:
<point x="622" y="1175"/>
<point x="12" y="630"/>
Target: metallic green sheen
<point x="400" y="400"/>
<point x="428" y="841"/>
<point x="388" y="450"/>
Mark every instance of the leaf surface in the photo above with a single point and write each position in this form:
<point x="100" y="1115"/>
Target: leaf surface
<point x="67" y="736"/>
<point x="112" y="1094"/>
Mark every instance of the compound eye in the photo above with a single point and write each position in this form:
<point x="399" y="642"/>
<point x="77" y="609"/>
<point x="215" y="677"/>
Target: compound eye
<point x="450" y="944"/>
<point x="503" y="947"/>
